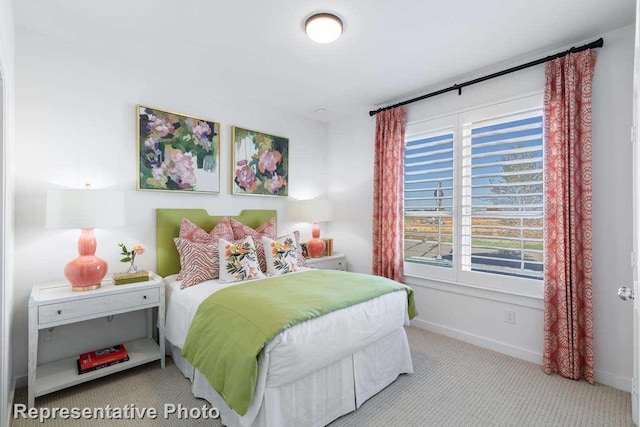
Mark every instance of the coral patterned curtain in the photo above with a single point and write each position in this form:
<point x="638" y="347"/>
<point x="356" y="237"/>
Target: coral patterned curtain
<point x="568" y="324"/>
<point x="388" y="194"/>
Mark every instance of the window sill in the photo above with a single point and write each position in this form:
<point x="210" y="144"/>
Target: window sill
<point x="510" y="297"/>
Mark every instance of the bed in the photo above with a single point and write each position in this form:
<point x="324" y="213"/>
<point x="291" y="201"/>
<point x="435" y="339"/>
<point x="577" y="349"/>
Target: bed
<point x="309" y="374"/>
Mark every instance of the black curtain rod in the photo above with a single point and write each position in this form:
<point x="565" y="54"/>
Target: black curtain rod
<point x="458" y="87"/>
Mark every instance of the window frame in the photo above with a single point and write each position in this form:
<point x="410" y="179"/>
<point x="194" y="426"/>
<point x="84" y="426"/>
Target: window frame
<point x="456" y="123"/>
<point x="429" y="126"/>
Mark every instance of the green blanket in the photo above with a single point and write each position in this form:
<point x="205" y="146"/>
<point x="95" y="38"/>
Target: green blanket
<point x="233" y="325"/>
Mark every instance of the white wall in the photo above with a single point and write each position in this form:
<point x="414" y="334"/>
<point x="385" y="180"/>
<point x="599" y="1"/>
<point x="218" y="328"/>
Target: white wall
<point x="7" y="34"/>
<point x="76" y="122"/>
<point x="477" y="315"/>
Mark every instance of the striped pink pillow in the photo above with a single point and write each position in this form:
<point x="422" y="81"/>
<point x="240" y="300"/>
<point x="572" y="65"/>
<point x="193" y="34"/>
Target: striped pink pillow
<point x="268" y="229"/>
<point x="199" y="262"/>
<point x="192" y="232"/>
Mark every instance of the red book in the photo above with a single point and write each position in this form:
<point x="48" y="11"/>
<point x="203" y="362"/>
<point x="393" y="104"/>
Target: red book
<point x="102" y="357"/>
<point x="115" y="362"/>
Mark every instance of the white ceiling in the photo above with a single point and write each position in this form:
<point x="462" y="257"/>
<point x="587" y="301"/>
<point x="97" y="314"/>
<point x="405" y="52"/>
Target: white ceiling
<point x="390" y="49"/>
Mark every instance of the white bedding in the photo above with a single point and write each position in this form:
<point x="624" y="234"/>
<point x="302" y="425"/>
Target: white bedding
<point x="308" y="347"/>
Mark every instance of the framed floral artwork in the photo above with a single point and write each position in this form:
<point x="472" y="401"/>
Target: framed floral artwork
<point x="260" y="163"/>
<point x="177" y="152"/>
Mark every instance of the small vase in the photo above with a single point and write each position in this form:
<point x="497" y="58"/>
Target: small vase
<point x="132" y="267"/>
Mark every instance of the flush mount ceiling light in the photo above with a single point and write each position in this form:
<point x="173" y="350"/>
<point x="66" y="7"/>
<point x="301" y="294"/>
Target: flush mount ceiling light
<point x="323" y="27"/>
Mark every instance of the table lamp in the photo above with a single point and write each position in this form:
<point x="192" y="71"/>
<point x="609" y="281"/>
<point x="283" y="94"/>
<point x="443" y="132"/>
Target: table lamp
<point x="85" y="209"/>
<point x="316" y="211"/>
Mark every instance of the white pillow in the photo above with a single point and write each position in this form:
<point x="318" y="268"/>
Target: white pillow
<point x="238" y="260"/>
<point x="281" y="254"/>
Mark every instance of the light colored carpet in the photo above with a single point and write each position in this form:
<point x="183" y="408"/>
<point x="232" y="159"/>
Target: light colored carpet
<point x="454" y="384"/>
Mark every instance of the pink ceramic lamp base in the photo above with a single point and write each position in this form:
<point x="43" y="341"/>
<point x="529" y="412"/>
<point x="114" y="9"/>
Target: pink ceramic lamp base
<point x="87" y="271"/>
<point x="316" y="245"/>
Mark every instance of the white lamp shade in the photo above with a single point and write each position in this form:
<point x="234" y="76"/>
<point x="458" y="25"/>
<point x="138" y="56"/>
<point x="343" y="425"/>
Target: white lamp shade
<point x="314" y="210"/>
<point x="85" y="209"/>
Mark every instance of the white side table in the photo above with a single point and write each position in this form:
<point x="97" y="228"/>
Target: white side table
<point x="333" y="262"/>
<point x="55" y="304"/>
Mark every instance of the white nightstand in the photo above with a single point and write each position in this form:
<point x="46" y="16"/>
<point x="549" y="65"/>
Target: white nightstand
<point x="55" y="304"/>
<point x="333" y="262"/>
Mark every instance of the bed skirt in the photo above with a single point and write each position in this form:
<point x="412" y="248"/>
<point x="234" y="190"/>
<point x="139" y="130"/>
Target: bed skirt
<point x="319" y="397"/>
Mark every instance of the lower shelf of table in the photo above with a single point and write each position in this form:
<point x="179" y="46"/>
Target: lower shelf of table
<point x="63" y="373"/>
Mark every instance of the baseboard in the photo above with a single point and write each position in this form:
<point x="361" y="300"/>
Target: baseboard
<point x="606" y="378"/>
<point x="480" y="341"/>
<point x="613" y="380"/>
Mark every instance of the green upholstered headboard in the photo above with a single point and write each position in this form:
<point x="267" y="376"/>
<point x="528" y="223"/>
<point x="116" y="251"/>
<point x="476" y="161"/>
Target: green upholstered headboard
<point x="168" y="227"/>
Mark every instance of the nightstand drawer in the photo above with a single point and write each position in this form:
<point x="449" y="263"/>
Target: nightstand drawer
<point x="328" y="264"/>
<point x="100" y="304"/>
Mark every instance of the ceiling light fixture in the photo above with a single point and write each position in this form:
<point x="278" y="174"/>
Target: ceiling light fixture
<point x="323" y="27"/>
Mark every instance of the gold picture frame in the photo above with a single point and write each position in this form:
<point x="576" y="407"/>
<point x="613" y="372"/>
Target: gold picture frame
<point x="177" y="152"/>
<point x="259" y="163"/>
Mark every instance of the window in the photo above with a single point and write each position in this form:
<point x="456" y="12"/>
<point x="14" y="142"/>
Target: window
<point x="428" y="200"/>
<point x="474" y="196"/>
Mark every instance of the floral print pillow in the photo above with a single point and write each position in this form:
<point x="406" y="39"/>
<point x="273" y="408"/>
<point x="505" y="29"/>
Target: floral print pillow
<point x="281" y="255"/>
<point x="238" y="260"/>
<point x="302" y="262"/>
<point x="268" y="229"/>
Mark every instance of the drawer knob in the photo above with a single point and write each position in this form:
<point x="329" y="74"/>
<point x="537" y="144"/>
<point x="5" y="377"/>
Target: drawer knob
<point x="59" y="312"/>
<point x="144" y="297"/>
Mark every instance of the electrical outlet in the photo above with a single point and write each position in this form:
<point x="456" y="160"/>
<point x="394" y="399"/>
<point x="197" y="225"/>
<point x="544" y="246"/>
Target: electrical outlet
<point x="510" y="316"/>
<point x="50" y="334"/>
